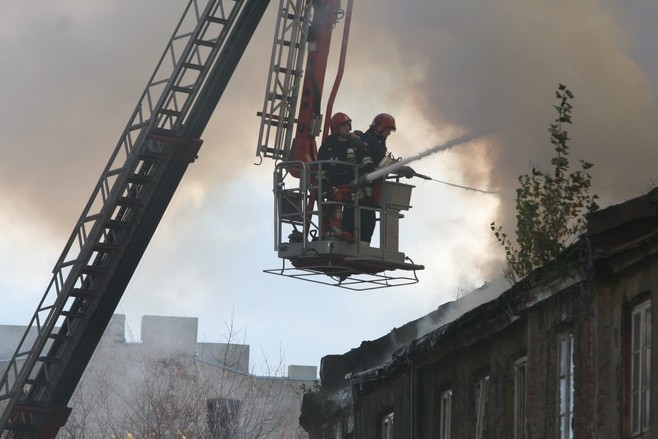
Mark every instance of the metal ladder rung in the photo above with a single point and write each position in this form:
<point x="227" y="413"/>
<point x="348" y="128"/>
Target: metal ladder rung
<point x="140" y="179"/>
<point x="129" y="202"/>
<point x="284" y="70"/>
<point x="74" y="314"/>
<point x="114" y="224"/>
<point x="214" y="19"/>
<point x="105" y="247"/>
<point x="280" y="98"/>
<point x="204" y="43"/>
<point x="51" y="360"/>
<point x="182" y="89"/>
<point x="269" y="116"/>
<point x="290" y="44"/>
<point x="152" y="156"/>
<point x="173" y="113"/>
<point x="60" y="337"/>
<point x="39" y="383"/>
<point x="138" y="126"/>
<point x="82" y="293"/>
<point x="188" y="65"/>
<point x="91" y="269"/>
<point x="275" y="122"/>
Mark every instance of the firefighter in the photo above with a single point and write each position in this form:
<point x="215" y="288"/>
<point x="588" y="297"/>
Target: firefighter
<point x="375" y="137"/>
<point x="342" y="146"/>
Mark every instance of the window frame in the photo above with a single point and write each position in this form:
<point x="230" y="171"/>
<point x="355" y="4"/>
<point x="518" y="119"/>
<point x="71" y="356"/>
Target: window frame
<point x="386" y="425"/>
<point x="481" y="398"/>
<point x="565" y="373"/>
<point x="639" y="355"/>
<point x="520" y="396"/>
<point x="445" y="414"/>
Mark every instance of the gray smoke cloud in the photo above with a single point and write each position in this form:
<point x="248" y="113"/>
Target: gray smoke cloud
<point x="483" y="65"/>
<point x="73" y="71"/>
<point x="460" y="66"/>
<point x="72" y="75"/>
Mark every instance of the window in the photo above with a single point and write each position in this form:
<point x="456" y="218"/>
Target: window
<point x="445" y="414"/>
<point x="640" y="368"/>
<point x="481" y="389"/>
<point x="387" y="426"/>
<point x="565" y="386"/>
<point x="519" y="398"/>
<point x="338" y="429"/>
<point x="223" y="417"/>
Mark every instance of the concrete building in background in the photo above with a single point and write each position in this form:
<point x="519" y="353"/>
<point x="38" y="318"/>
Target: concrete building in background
<point x="171" y="385"/>
<point x="567" y="353"/>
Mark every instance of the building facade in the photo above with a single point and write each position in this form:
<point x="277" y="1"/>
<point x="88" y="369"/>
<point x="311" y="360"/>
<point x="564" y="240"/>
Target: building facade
<point x="169" y="385"/>
<point x="567" y="353"/>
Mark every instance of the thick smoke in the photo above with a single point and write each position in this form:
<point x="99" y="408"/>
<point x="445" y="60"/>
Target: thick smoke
<point x="73" y="71"/>
<point x="483" y="65"/>
<point x="72" y="76"/>
<point x="458" y="66"/>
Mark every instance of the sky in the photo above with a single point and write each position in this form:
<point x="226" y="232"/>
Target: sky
<point x="72" y="71"/>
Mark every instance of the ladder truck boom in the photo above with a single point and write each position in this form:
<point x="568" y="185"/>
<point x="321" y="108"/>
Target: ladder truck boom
<point x="303" y="27"/>
<point x="308" y="248"/>
<point x="304" y="147"/>
<point x="160" y="140"/>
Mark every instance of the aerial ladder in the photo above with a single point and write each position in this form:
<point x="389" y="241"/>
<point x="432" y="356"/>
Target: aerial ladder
<point x="161" y="139"/>
<point x="306" y="252"/>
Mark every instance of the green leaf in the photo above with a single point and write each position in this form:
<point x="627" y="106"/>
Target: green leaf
<point x="549" y="205"/>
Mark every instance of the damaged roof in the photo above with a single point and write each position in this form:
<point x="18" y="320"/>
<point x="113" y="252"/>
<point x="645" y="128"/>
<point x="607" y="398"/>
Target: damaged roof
<point x="621" y="228"/>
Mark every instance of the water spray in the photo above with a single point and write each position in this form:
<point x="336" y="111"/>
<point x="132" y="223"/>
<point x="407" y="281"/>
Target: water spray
<point x="468" y="188"/>
<point x="382" y="172"/>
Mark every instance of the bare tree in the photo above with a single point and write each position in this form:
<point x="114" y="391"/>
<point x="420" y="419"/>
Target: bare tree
<point x="135" y="391"/>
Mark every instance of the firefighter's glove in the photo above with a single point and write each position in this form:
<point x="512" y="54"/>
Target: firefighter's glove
<point x="406" y="171"/>
<point x="361" y="181"/>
